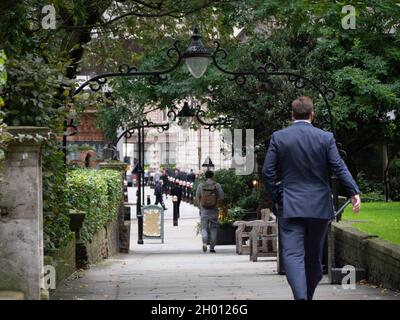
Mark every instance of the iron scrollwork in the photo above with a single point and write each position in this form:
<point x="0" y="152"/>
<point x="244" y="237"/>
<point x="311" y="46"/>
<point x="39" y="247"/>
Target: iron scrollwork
<point x="128" y="133"/>
<point x="73" y="126"/>
<point x="155" y="77"/>
<point x="264" y="73"/>
<point x="200" y="116"/>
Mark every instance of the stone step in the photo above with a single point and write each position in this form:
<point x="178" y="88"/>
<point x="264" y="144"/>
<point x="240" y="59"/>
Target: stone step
<point x="11" y="295"/>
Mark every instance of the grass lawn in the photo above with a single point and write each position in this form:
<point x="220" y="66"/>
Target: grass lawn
<point x="378" y="218"/>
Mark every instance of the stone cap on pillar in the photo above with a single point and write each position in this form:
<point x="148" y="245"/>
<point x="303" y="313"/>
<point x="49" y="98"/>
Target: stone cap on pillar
<point x="33" y="136"/>
<point x="113" y="165"/>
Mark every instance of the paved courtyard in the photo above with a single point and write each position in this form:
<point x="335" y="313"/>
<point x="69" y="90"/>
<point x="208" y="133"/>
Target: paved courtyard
<point x="178" y="269"/>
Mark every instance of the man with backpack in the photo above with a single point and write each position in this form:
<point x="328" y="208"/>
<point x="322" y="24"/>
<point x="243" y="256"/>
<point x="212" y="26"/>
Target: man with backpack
<point x="208" y="195"/>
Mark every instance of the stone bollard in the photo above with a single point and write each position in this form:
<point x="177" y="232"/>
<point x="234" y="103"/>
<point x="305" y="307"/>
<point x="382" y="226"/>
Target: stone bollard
<point x="21" y="220"/>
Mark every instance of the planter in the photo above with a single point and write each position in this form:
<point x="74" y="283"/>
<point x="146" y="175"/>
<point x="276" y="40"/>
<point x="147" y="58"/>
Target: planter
<point x="250" y="216"/>
<point x="226" y="234"/>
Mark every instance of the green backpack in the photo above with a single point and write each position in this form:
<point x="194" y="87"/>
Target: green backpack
<point x="209" y="195"/>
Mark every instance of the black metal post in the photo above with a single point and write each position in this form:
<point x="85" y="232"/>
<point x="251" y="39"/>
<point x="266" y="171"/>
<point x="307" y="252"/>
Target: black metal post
<point x="138" y="193"/>
<point x="142" y="165"/>
<point x="335" y="195"/>
<point x="176" y="210"/>
<point x="326" y="259"/>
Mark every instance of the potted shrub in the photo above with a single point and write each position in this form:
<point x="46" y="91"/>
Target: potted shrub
<point x="250" y="205"/>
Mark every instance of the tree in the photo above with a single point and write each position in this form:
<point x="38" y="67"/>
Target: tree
<point x="361" y="65"/>
<point x="43" y="63"/>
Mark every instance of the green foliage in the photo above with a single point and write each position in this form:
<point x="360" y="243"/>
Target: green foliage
<point x="361" y="65"/>
<point x="41" y="62"/>
<point x="4" y="137"/>
<point x="234" y="214"/>
<point x="250" y="202"/>
<point x="98" y="193"/>
<point x="3" y="74"/>
<point x="235" y="186"/>
<point x="368" y="186"/>
<point x="3" y="80"/>
<point x="33" y="90"/>
<point x="55" y="198"/>
<point x="373" y="197"/>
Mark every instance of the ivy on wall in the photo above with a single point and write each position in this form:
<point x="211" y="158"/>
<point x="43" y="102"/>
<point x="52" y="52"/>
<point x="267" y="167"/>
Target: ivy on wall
<point x="3" y="80"/>
<point x="98" y="193"/>
<point x="4" y="137"/>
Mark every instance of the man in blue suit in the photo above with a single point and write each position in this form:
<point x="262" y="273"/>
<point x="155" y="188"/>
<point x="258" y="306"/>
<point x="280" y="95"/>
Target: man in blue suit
<point x="301" y="156"/>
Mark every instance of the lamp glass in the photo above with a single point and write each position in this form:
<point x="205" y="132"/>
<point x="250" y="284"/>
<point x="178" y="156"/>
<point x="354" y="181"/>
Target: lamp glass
<point x="197" y="65"/>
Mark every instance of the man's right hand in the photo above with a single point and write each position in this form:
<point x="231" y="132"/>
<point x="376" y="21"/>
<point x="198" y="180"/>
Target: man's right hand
<point x="356" y="203"/>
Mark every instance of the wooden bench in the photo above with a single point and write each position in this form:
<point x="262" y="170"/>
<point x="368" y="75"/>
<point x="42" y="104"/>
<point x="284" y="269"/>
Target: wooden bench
<point x="242" y="234"/>
<point x="263" y="238"/>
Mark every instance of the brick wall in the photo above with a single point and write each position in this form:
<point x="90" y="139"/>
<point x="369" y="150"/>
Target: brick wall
<point x="380" y="258"/>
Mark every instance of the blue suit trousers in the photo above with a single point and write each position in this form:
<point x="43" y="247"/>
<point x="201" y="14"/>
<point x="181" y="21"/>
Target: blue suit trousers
<point x="301" y="245"/>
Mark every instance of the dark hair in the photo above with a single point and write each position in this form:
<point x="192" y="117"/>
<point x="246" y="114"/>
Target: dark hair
<point x="209" y="174"/>
<point x="302" y="108"/>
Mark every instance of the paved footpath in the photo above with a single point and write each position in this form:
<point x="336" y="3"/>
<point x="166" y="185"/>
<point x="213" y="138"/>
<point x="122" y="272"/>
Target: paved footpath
<point x="178" y="269"/>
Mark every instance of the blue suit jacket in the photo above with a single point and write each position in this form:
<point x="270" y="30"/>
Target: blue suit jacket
<point x="304" y="154"/>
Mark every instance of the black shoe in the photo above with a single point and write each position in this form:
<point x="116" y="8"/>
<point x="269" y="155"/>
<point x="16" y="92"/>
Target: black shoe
<point x="204" y="247"/>
<point x="212" y="250"/>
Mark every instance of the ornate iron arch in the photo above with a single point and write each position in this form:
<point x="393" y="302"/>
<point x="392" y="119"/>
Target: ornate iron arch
<point x="263" y="74"/>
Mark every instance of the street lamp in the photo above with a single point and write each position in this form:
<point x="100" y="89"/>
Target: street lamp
<point x="208" y="163"/>
<point x="197" y="56"/>
<point x="254" y="183"/>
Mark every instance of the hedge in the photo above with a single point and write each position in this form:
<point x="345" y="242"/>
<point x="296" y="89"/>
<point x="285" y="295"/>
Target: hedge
<point x="98" y="193"/>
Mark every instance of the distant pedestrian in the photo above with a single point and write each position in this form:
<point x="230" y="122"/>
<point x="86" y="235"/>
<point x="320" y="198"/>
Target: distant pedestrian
<point x="146" y="177"/>
<point x="208" y="195"/>
<point x="164" y="179"/>
<point x="158" y="192"/>
<point x="191" y="177"/>
<point x="157" y="176"/>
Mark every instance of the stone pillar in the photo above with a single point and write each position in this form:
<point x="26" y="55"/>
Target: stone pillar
<point x="21" y="220"/>
<point x="124" y="227"/>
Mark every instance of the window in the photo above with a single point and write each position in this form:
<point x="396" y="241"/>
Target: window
<point x="168" y="153"/>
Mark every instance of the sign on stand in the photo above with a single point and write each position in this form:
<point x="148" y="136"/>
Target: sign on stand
<point x="153" y="222"/>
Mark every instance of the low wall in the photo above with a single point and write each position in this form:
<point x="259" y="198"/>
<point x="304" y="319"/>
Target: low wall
<point x="380" y="258"/>
<point x="63" y="260"/>
<point x="104" y="243"/>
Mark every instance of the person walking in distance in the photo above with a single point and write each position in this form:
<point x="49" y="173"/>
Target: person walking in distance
<point x="191" y="177"/>
<point x="302" y="155"/>
<point x="208" y="195"/>
<point x="158" y="192"/>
